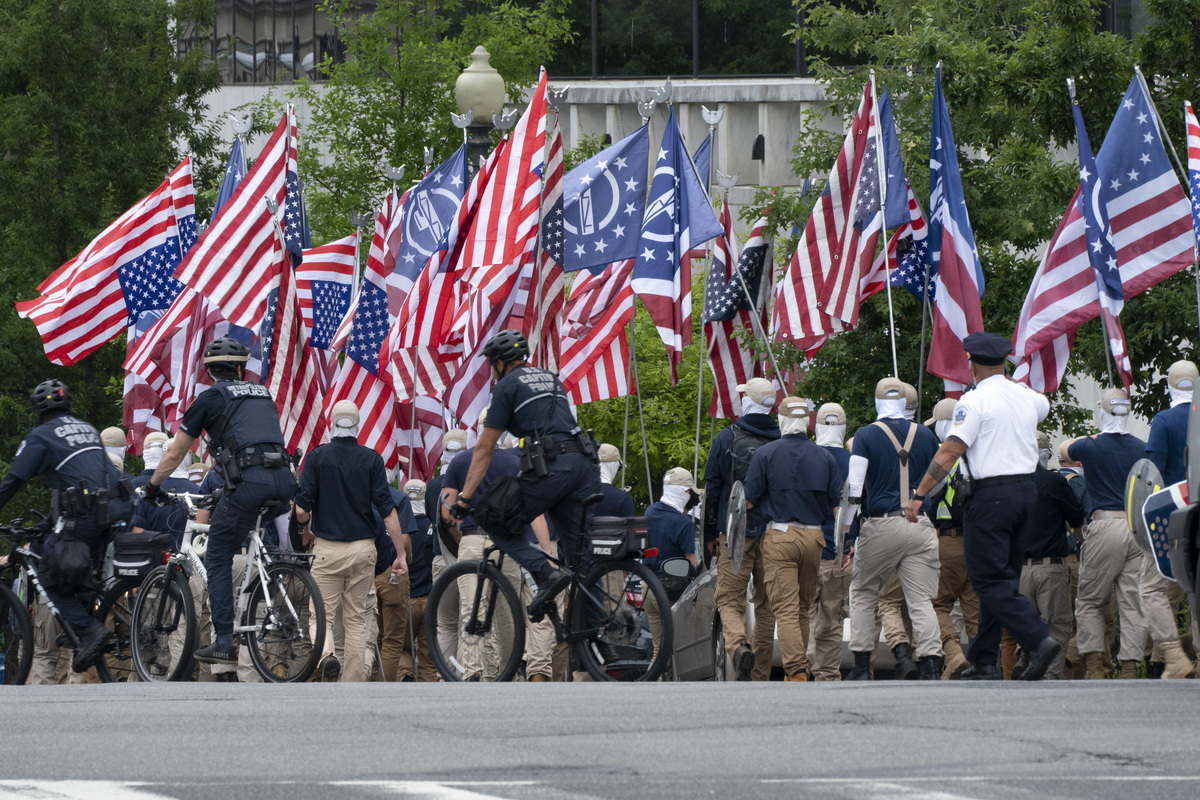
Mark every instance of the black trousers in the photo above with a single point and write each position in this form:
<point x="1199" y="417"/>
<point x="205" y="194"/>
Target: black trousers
<point x="558" y="495"/>
<point x="74" y="601"/>
<point x="996" y="524"/>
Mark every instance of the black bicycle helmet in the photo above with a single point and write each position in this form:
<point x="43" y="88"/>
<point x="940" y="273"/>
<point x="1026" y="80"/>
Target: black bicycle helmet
<point x="51" y="395"/>
<point x="226" y="350"/>
<point x="506" y="346"/>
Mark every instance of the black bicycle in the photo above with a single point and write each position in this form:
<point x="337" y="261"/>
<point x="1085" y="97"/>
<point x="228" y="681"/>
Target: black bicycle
<point x="605" y="618"/>
<point x="21" y="586"/>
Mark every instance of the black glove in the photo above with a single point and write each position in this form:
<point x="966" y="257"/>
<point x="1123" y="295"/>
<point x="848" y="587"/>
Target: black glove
<point x="156" y="495"/>
<point x="460" y="509"/>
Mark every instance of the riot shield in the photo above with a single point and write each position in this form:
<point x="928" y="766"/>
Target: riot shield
<point x="1144" y="480"/>
<point x="1157" y="511"/>
<point x="841" y="521"/>
<point x="1193" y="451"/>
<point x="735" y="526"/>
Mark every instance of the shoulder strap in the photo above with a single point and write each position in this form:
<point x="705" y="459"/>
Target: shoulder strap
<point x="902" y="451"/>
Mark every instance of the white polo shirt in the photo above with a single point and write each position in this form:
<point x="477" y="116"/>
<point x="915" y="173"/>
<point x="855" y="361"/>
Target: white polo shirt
<point x="998" y="421"/>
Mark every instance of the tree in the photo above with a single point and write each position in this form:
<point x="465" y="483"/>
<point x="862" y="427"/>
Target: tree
<point x="94" y="103"/>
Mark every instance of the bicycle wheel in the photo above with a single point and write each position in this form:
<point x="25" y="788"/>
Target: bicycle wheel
<point x="164" y="626"/>
<point x="289" y="622"/>
<point x="491" y="625"/>
<point x="16" y="639"/>
<point x="621" y="623"/>
<point x="115" y="612"/>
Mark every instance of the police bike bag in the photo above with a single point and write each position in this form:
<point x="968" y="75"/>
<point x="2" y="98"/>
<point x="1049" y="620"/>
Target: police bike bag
<point x="135" y="553"/>
<point x="617" y="537"/>
<point x="499" y="510"/>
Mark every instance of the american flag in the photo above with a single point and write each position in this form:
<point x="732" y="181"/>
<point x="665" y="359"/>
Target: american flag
<point x="1093" y="204"/>
<point x="1193" y="147"/>
<point x="1151" y="228"/>
<point x="799" y="315"/>
<point x="909" y="244"/>
<point x="323" y="284"/>
<point x="595" y="354"/>
<point x="542" y="323"/>
<point x="953" y="255"/>
<point x="419" y="436"/>
<point x="235" y="170"/>
<point x="677" y="219"/>
<point x="727" y="312"/>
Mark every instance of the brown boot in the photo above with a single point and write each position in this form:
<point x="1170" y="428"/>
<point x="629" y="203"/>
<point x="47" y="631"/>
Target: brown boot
<point x="1094" y="666"/>
<point x="1178" y="664"/>
<point x="955" y="664"/>
<point x="1129" y="670"/>
<point x="799" y="676"/>
<point x="538" y="679"/>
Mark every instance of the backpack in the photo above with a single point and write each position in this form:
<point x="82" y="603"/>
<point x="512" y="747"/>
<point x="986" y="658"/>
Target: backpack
<point x="741" y="450"/>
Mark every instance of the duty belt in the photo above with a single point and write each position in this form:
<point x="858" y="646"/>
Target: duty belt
<point x="1043" y="562"/>
<point x="1001" y="480"/>
<point x="271" y="456"/>
<point x="562" y="448"/>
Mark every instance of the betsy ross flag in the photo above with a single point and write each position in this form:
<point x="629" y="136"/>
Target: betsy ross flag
<point x="727" y="312"/>
<point x="677" y="219"/>
<point x="953" y="256"/>
<point x="1093" y="204"/>
<point x="1151" y="224"/>
<point x="595" y="344"/>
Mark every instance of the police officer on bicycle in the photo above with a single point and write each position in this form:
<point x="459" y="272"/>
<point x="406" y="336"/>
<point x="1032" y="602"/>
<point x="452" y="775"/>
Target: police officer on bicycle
<point x="558" y="459"/>
<point x="246" y="440"/>
<point x="89" y="495"/>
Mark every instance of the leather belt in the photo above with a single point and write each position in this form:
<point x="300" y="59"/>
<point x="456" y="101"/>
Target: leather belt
<point x="882" y="514"/>
<point x="1001" y="480"/>
<point x="952" y="533"/>
<point x="1108" y="514"/>
<point x="783" y="526"/>
<point x="1043" y="562"/>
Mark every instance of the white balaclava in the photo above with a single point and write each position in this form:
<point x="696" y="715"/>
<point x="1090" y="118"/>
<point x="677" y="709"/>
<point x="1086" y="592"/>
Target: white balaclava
<point x="344" y="427"/>
<point x="1044" y="457"/>
<point x="152" y="455"/>
<point x="942" y="429"/>
<point x="791" y="425"/>
<point x="831" y="435"/>
<point x="890" y="409"/>
<point x="1113" y="423"/>
<point x="1179" y="396"/>
<point x="608" y="471"/>
<point x="119" y="452"/>
<point x="675" y="496"/>
<point x="751" y="407"/>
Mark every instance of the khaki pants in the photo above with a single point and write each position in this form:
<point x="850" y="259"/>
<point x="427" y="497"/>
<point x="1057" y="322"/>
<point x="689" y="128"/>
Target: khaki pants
<point x="893" y="614"/>
<point x="539" y="636"/>
<point x="731" y="603"/>
<point x="1110" y="562"/>
<point x="889" y="544"/>
<point x="246" y="673"/>
<point x="51" y="663"/>
<point x="1048" y="589"/>
<point x="953" y="585"/>
<point x="337" y="632"/>
<point x="394" y="646"/>
<point x="826" y="614"/>
<point x="447" y="628"/>
<point x="344" y="573"/>
<point x="792" y="561"/>
<point x="484" y="658"/>
<point x="1155" y="603"/>
<point x="426" y="671"/>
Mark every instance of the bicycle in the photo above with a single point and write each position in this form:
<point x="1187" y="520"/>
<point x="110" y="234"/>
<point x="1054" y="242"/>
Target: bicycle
<point x="279" y="614"/>
<point x="21" y="584"/>
<point x="606" y="606"/>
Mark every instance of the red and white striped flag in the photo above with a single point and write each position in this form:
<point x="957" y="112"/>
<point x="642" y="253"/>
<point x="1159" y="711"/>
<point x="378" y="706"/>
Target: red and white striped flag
<point x="420" y="439"/>
<point x="323" y="284"/>
<point x="542" y="316"/>
<point x="595" y="345"/>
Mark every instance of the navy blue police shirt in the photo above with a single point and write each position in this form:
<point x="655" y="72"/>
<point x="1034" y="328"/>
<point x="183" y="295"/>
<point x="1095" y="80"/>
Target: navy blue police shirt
<point x="341" y="483"/>
<point x="1107" y="459"/>
<point x="171" y="518"/>
<point x="1168" y="438"/>
<point x="842" y="456"/>
<point x="254" y="420"/>
<point x="529" y="401"/>
<point x="672" y="532"/>
<point x="881" y="492"/>
<point x="793" y="480"/>
<point x="64" y="449"/>
<point x="504" y="463"/>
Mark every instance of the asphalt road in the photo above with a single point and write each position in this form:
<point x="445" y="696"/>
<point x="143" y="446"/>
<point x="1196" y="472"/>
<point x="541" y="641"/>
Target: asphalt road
<point x="946" y="741"/>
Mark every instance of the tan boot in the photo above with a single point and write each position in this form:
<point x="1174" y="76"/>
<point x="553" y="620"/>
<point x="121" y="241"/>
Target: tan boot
<point x="538" y="679"/>
<point x="800" y="676"/>
<point x="1178" y="664"/>
<point x="955" y="664"/>
<point x="1129" y="670"/>
<point x="1094" y="666"/>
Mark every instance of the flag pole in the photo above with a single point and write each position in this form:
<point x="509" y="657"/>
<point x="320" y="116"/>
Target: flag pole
<point x="925" y="312"/>
<point x="625" y="428"/>
<point x="887" y="283"/>
<point x="412" y="431"/>
<point x="641" y="418"/>
<point x="713" y="118"/>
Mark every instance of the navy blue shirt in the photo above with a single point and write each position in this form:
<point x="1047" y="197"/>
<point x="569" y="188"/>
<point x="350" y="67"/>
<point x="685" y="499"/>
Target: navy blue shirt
<point x="433" y="505"/>
<point x="171" y="518"/>
<point x="420" y="568"/>
<point x="842" y="456"/>
<point x="504" y="462"/>
<point x="616" y="503"/>
<point x="718" y="471"/>
<point x="408" y="525"/>
<point x="339" y="484"/>
<point x="881" y="492"/>
<point x="793" y="480"/>
<point x="672" y="532"/>
<point x="1107" y="459"/>
<point x="142" y="478"/>
<point x="1168" y="438"/>
<point x="1078" y="483"/>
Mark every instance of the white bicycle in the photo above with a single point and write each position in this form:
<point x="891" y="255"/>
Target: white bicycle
<point x="279" y="614"/>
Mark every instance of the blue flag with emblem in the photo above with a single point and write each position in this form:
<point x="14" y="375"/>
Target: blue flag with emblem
<point x="602" y="204"/>
<point x="702" y="158"/>
<point x="428" y="211"/>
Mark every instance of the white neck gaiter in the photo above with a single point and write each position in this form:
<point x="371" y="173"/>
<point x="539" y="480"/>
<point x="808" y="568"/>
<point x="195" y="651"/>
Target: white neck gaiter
<point x="792" y="425"/>
<point x="675" y="496"/>
<point x="831" y="435"/>
<point x="890" y="409"/>
<point x="152" y="455"/>
<point x="1043" y="458"/>
<point x="119" y="452"/>
<point x="418" y="506"/>
<point x="1179" y="396"/>
<point x="340" y="432"/>
<point x="1110" y="423"/>
<point x="910" y="414"/>
<point x="608" y="471"/>
<point x="751" y="407"/>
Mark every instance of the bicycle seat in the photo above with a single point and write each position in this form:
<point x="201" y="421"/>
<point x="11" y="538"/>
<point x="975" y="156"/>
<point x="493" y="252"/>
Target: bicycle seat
<point x="273" y="509"/>
<point x="591" y="500"/>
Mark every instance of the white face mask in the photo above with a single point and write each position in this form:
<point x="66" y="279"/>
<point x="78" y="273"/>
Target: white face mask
<point x="890" y="409"/>
<point x="1179" y="396"/>
<point x="609" y="470"/>
<point x="418" y="506"/>
<point x="675" y="496"/>
<point x="152" y="455"/>
<point x="1111" y="423"/>
<point x="1043" y="458"/>
<point x="119" y="452"/>
<point x="751" y="407"/>
<point x="792" y="425"/>
<point x="831" y="435"/>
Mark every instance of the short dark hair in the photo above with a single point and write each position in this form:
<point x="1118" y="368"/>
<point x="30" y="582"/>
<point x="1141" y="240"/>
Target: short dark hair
<point x="223" y="369"/>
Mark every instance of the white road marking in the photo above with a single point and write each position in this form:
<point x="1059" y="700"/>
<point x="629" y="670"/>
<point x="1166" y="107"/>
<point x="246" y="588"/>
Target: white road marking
<point x="983" y="779"/>
<point x="432" y="790"/>
<point x="75" y="790"/>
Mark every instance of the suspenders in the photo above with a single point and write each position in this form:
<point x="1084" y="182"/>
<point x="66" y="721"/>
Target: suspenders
<point x="901" y="451"/>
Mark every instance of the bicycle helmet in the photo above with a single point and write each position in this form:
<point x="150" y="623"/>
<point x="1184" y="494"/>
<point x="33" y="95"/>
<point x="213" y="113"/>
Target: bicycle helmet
<point x="51" y="395"/>
<point x="226" y="350"/>
<point x="506" y="346"/>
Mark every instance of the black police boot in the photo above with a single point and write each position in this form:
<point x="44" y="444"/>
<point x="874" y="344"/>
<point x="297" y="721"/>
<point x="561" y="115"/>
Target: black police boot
<point x="929" y="668"/>
<point x="906" y="670"/>
<point x="862" y="668"/>
<point x="1040" y="659"/>
<point x="215" y="654"/>
<point x="91" y="644"/>
<point x="980" y="672"/>
<point x="550" y="583"/>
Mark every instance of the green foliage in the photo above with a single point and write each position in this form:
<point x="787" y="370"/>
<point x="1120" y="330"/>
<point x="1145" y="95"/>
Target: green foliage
<point x="393" y="95"/>
<point x="95" y="107"/>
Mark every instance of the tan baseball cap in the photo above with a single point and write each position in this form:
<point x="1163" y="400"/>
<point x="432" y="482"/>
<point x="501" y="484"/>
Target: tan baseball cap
<point x="796" y="407"/>
<point x="112" y="437"/>
<point x="678" y="476"/>
<point x="116" y="460"/>
<point x="943" y="410"/>
<point x="1182" y="375"/>
<point x="609" y="454"/>
<point x="415" y="489"/>
<point x="890" y="389"/>
<point x="483" y="418"/>
<point x="454" y="441"/>
<point x="154" y="438"/>
<point x="1043" y="440"/>
<point x="344" y="414"/>
<point x="910" y="395"/>
<point x="831" y="414"/>
<point x="1115" y="402"/>
<point x="760" y="390"/>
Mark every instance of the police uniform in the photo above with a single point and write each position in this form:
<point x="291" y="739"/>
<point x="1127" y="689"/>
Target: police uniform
<point x="1110" y="560"/>
<point x="997" y="421"/>
<point x="239" y="417"/>
<point x="797" y="487"/>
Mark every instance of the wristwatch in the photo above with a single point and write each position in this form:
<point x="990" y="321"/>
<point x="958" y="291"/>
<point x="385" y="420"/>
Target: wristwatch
<point x="916" y="496"/>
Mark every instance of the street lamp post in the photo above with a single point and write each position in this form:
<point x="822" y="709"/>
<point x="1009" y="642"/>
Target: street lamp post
<point x="479" y="91"/>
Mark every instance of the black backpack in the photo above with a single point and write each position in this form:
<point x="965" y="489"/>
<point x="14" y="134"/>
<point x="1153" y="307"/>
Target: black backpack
<point x="741" y="450"/>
